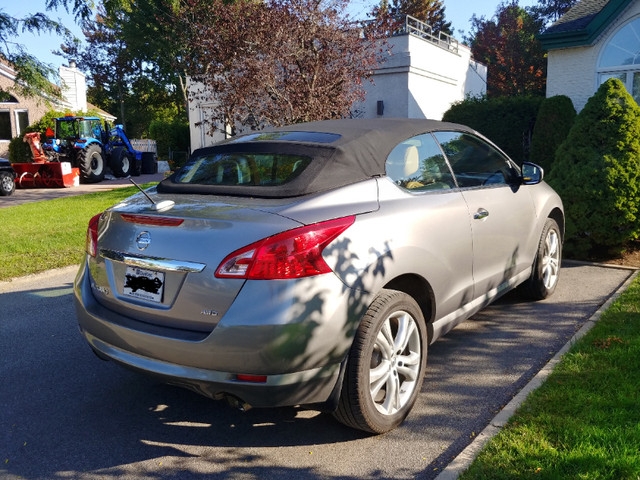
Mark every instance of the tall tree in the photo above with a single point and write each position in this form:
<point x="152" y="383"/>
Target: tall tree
<point x="278" y="62"/>
<point x="126" y="56"/>
<point x="430" y="12"/>
<point x="153" y="37"/>
<point x="32" y="75"/>
<point x="508" y="45"/>
<point x="551" y="10"/>
<point x="105" y="57"/>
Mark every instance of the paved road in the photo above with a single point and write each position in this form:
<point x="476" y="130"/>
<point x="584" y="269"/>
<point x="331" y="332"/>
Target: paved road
<point x="65" y="414"/>
<point x="29" y="195"/>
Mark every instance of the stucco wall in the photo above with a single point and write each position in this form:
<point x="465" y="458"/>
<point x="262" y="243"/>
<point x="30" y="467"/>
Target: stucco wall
<point x="573" y="71"/>
<point x="421" y="80"/>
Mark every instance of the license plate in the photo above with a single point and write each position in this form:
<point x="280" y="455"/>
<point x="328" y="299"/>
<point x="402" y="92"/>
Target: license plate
<point x="144" y="284"/>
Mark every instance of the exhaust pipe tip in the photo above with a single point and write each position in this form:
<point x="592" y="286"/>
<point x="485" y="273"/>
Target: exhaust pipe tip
<point x="237" y="403"/>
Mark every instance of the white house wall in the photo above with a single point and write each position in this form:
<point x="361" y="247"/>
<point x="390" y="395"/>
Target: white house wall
<point x="573" y="71"/>
<point x="421" y="80"/>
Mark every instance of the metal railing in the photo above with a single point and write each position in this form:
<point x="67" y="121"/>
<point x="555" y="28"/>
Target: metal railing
<point x="397" y="25"/>
<point x="418" y="28"/>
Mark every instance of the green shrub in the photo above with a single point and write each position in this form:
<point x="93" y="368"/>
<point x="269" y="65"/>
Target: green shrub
<point x="596" y="173"/>
<point x="507" y="121"/>
<point x="170" y="136"/>
<point x="555" y="118"/>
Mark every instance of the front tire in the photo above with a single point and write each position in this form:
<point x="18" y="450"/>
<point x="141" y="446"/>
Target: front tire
<point x="546" y="266"/>
<point x="91" y="164"/>
<point x="7" y="184"/>
<point x="386" y="365"/>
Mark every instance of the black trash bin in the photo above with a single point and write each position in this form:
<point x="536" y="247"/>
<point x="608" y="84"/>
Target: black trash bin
<point x="149" y="163"/>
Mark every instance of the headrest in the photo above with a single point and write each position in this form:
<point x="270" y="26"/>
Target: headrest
<point x="411" y="161"/>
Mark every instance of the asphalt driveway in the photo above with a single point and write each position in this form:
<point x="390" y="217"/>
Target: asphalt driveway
<point x="66" y="414"/>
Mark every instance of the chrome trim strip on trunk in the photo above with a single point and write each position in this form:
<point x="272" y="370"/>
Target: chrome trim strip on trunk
<point x="154" y="263"/>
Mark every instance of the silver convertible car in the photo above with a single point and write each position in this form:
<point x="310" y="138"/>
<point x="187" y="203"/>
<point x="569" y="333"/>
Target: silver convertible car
<point x="314" y="264"/>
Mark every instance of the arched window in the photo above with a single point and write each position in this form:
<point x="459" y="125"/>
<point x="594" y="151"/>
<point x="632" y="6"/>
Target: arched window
<point x="620" y="58"/>
<point x="6" y="97"/>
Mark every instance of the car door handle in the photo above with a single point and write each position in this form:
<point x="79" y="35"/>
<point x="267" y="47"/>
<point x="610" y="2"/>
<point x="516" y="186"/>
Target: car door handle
<point x="480" y="214"/>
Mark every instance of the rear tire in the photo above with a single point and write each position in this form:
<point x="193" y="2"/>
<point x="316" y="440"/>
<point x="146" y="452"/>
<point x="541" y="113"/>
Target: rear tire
<point x="91" y="164"/>
<point x="7" y="184"/>
<point x="121" y="163"/>
<point x="546" y="266"/>
<point x="386" y="365"/>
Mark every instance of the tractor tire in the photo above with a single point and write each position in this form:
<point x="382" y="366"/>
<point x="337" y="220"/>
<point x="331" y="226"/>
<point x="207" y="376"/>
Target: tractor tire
<point x="121" y="162"/>
<point x="91" y="164"/>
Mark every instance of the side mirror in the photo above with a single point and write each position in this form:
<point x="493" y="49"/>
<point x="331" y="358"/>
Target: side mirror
<point x="532" y="174"/>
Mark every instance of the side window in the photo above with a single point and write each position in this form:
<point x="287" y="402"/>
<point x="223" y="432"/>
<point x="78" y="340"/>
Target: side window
<point x="474" y="162"/>
<point x="417" y="164"/>
<point x="5" y="125"/>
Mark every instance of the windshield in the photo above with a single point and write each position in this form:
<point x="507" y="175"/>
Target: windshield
<point x="237" y="169"/>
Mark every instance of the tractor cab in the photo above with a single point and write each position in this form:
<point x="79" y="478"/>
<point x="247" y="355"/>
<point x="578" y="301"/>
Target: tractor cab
<point x="73" y="133"/>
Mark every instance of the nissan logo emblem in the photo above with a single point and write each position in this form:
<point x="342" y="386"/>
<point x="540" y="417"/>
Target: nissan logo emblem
<point x="143" y="240"/>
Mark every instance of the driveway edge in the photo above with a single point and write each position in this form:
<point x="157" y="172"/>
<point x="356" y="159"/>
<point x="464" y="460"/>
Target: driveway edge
<point x="468" y="455"/>
<point x="33" y="278"/>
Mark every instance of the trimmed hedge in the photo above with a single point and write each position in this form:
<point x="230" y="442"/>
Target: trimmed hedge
<point x="506" y="121"/>
<point x="596" y="173"/>
<point x="555" y="118"/>
<point x="170" y="135"/>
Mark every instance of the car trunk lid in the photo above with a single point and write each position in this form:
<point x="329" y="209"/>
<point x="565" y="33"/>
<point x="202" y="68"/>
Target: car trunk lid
<point x="159" y="267"/>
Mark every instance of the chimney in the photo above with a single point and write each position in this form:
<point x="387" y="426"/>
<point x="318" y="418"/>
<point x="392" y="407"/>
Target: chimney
<point x="74" y="86"/>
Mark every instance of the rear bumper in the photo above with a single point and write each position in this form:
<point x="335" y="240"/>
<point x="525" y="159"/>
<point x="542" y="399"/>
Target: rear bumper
<point x="301" y="357"/>
<point x="300" y="388"/>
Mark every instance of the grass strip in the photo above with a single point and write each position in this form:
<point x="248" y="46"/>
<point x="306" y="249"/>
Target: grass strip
<point x="50" y="234"/>
<point x="584" y="421"/>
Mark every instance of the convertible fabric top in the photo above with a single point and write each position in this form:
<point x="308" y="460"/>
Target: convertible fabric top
<point x="359" y="153"/>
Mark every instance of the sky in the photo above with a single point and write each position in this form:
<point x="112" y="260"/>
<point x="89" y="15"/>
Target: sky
<point x="458" y="12"/>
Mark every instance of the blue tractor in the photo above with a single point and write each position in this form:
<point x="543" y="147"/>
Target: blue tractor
<point x="92" y="147"/>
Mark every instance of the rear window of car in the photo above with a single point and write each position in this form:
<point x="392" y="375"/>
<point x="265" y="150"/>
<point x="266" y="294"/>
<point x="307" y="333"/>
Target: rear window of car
<point x="313" y="137"/>
<point x="238" y="169"/>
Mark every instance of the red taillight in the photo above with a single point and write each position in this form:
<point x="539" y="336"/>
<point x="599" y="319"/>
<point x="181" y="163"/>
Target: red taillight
<point x="252" y="378"/>
<point x="151" y="220"/>
<point x="91" y="245"/>
<point x="293" y="254"/>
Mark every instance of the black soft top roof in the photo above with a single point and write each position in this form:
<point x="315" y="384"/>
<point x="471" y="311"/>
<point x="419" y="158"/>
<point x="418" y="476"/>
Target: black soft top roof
<point x="359" y="153"/>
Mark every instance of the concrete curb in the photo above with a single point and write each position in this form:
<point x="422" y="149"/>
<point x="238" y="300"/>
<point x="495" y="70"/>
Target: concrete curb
<point x="34" y="278"/>
<point x="468" y="455"/>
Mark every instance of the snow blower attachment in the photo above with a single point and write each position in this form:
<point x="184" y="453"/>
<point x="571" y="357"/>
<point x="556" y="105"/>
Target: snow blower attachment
<point x="42" y="172"/>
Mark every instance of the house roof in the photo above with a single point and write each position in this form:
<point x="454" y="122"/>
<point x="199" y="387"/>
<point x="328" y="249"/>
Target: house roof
<point x="101" y="113"/>
<point x="583" y="23"/>
<point x="7" y="70"/>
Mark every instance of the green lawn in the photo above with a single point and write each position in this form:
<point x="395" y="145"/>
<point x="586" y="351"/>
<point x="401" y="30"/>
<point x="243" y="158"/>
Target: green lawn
<point x="50" y="234"/>
<point x="584" y="422"/>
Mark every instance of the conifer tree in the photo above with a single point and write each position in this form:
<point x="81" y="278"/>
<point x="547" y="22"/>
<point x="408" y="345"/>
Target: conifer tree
<point x="596" y="173"/>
